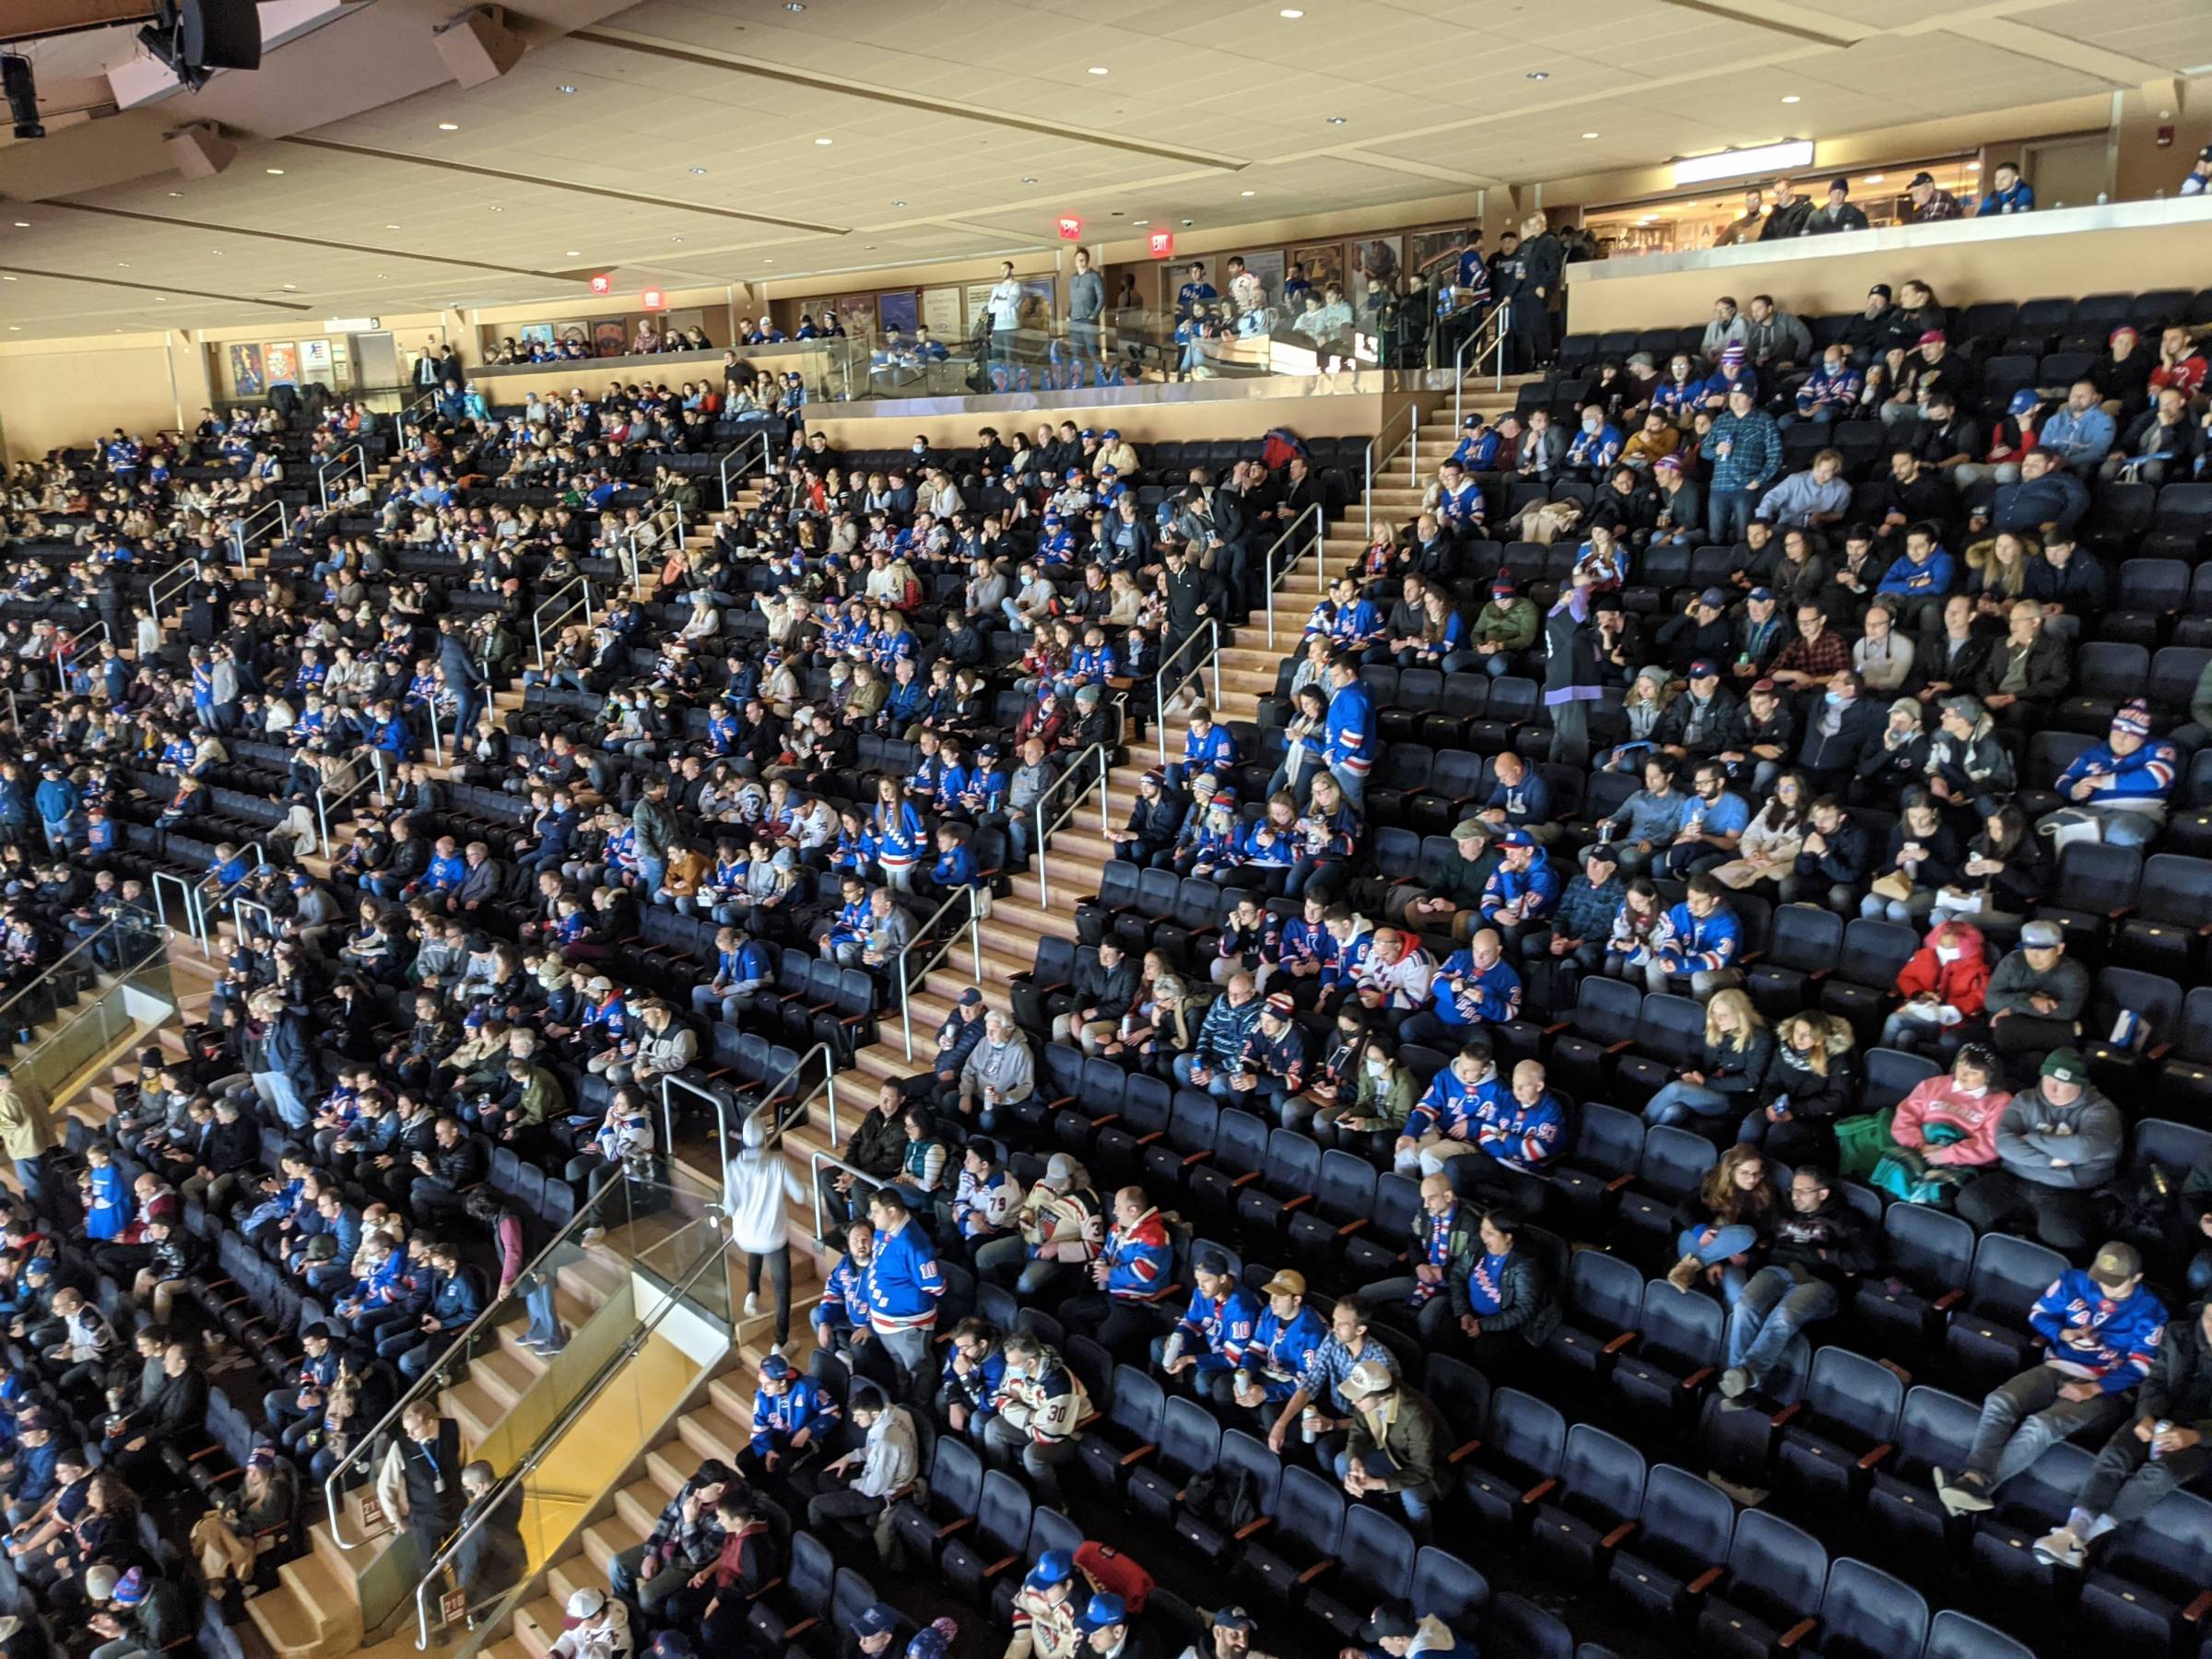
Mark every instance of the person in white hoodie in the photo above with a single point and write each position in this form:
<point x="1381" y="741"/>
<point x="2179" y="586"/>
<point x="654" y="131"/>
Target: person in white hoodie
<point x="873" y="1479"/>
<point x="754" y="1185"/>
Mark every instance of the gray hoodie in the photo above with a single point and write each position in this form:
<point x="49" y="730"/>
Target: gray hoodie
<point x="2016" y="980"/>
<point x="2087" y="1133"/>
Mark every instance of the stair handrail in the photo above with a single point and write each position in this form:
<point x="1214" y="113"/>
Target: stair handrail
<point x="325" y="802"/>
<point x="676" y="1295"/>
<point x="196" y="895"/>
<point x="769" y="1096"/>
<point x="239" y="526"/>
<point x="1495" y="325"/>
<point x="52" y="969"/>
<point x="337" y="465"/>
<point x="1319" y="549"/>
<point x="1162" y="691"/>
<point x="738" y="456"/>
<point x="537" y="627"/>
<point x="910" y="971"/>
<point x="66" y="648"/>
<point x="433" y="1378"/>
<point x="1379" y="454"/>
<point x="183" y="571"/>
<point x="1045" y="832"/>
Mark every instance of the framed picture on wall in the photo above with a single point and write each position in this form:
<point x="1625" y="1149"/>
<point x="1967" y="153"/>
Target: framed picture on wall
<point x="1378" y="264"/>
<point x="1323" y="263"/>
<point x="576" y="332"/>
<point x="246" y="377"/>
<point x="857" y="312"/>
<point x="901" y="310"/>
<point x="315" y="362"/>
<point x="280" y="362"/>
<point x="1435" y="253"/>
<point x="610" y="335"/>
<point x="535" y="334"/>
<point x="941" y="313"/>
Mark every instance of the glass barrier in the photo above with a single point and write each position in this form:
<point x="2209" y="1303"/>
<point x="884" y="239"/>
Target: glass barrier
<point x="113" y="987"/>
<point x="587" y="1296"/>
<point x="674" y="1326"/>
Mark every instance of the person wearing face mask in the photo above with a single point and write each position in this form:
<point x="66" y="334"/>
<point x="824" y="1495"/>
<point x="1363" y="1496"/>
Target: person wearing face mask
<point x="1593" y="449"/>
<point x="1366" y="1110"/>
<point x="1943" y="983"/>
<point x="1948" y="1129"/>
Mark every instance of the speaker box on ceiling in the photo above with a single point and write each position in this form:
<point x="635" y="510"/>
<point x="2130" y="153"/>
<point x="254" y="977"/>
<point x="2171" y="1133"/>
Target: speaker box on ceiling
<point x="478" y="47"/>
<point x="221" y="34"/>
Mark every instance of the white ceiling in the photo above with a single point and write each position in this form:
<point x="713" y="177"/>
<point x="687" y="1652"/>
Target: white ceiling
<point x="955" y="130"/>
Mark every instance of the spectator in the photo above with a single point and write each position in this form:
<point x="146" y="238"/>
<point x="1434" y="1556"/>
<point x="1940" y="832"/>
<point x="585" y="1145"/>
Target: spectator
<point x="1819" y="1246"/>
<point x="2058" y="1145"/>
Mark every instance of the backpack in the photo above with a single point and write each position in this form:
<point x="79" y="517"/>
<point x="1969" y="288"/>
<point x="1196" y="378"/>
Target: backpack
<point x="1228" y="1500"/>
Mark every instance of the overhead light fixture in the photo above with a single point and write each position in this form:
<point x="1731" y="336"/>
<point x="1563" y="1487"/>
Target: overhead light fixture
<point x="123" y="265"/>
<point x="1539" y="75"/>
<point x="767" y="261"/>
<point x="174" y="194"/>
<point x="1098" y="69"/>
<point x="1790" y="153"/>
<point x="901" y="202"/>
<point x="1188" y="223"/>
<point x="566" y="90"/>
<point x="390" y="226"/>
<point x="573" y="253"/>
<point x="291" y="287"/>
<point x="1140" y="222"/>
<point x="273" y="172"/>
<point x="449" y="126"/>
<point x="1791" y="98"/>
<point x="1336" y="120"/>
<point x="1589" y="135"/>
<point x="676" y="239"/>
<point x="795" y="6"/>
<point x="698" y="172"/>
<point x="1874" y="178"/>
<point x="1028" y="178"/>
<point x="217" y="251"/>
<point x="825" y="143"/>
<point x="497" y="209"/>
<point x="1248" y="192"/>
<point x="22" y="224"/>
<point x="1290" y="12"/>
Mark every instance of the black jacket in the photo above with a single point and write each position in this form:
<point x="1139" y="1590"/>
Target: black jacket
<point x="1833" y="1244"/>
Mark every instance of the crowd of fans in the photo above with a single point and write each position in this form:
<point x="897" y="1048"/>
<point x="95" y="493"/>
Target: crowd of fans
<point x="787" y="742"/>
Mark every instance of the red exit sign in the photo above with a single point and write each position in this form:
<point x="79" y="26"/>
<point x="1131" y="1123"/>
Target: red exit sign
<point x="603" y="283"/>
<point x="1071" y="227"/>
<point x="1163" y="244"/>
<point x="654" y="300"/>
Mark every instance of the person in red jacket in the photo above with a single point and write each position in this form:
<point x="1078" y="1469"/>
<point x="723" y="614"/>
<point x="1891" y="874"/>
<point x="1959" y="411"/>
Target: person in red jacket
<point x="1943" y="986"/>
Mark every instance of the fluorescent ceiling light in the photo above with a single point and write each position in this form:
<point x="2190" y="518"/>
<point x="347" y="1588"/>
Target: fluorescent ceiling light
<point x="1736" y="163"/>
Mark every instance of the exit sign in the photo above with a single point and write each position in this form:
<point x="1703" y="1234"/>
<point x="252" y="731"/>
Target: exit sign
<point x="1163" y="244"/>
<point x="603" y="283"/>
<point x="1071" y="227"/>
<point x="654" y="300"/>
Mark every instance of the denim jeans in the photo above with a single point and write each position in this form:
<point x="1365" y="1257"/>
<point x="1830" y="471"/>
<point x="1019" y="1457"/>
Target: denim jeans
<point x="1772" y="1309"/>
<point x="1728" y="512"/>
<point x="1418" y="1508"/>
<point x="1679" y="1103"/>
<point x="2023" y="1416"/>
<point x="1726" y="1241"/>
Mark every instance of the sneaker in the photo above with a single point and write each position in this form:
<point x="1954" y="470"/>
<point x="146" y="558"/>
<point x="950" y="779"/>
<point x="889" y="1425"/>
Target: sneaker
<point x="752" y="1304"/>
<point x="1684" y="1273"/>
<point x="1734" y="1380"/>
<point x="593" y="1238"/>
<point x="1961" y="1496"/>
<point x="2061" y="1548"/>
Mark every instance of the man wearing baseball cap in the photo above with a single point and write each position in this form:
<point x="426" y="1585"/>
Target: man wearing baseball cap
<point x="2036" y="997"/>
<point x="1045" y="1610"/>
<point x="2058" y="1143"/>
<point x="1284" y="1341"/>
<point x="1229" y="1630"/>
<point x="1215" y="1334"/>
<point x="2101" y="1333"/>
<point x="874" y="1629"/>
<point x="1397" y="1443"/>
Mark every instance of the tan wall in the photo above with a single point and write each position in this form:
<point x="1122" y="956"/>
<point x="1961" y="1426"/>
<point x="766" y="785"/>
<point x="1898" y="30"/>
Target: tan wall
<point x="2128" y="259"/>
<point x="512" y="385"/>
<point x="64" y="393"/>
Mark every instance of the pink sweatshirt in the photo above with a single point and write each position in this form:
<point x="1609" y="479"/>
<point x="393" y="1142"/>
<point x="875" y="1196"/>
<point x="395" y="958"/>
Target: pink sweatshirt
<point x="1941" y="1101"/>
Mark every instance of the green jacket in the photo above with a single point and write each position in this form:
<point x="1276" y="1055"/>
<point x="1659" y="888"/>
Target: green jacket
<point x="1513" y="624"/>
<point x="1412" y="1433"/>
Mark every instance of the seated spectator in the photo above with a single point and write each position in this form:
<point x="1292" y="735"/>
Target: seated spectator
<point x="2123" y="785"/>
<point x="1732" y="1062"/>
<point x="1814" y="1080"/>
<point x="1723" y="1228"/>
<point x="1820" y="1245"/>
<point x="2036" y="997"/>
<point x="2058" y="1146"/>
<point x="1945" y="1130"/>
<point x="2103" y="1331"/>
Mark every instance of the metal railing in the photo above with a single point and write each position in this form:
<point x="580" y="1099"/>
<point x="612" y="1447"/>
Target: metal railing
<point x="910" y="971"/>
<point x="1485" y="339"/>
<point x="325" y="802"/>
<point x="1045" y="832"/>
<point x="338" y="467"/>
<point x="81" y="957"/>
<point x="1162" y="691"/>
<point x="537" y="617"/>
<point x="1318" y="546"/>
<point x="239" y="901"/>
<point x="183" y="887"/>
<point x="676" y="1296"/>
<point x="255" y="520"/>
<point x="736" y="461"/>
<point x="1378" y="452"/>
<point x="66" y="649"/>
<point x="769" y="1097"/>
<point x="165" y="588"/>
<point x="197" y="895"/>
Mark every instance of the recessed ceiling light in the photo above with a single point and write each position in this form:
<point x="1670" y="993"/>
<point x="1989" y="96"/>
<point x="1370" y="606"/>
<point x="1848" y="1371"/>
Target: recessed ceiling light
<point x="573" y="253"/>
<point x="868" y="247"/>
<point x="1028" y="178"/>
<point x="1790" y="97"/>
<point x="381" y="277"/>
<point x="1539" y="75"/>
<point x="291" y="287"/>
<point x="1336" y="120"/>
<point x="1248" y="192"/>
<point x="697" y="171"/>
<point x="217" y="251"/>
<point x="22" y="224"/>
<point x="767" y="261"/>
<point x="1098" y="69"/>
<point x="273" y="172"/>
<point x="1589" y="135"/>
<point x="390" y="226"/>
<point x="1140" y="221"/>
<point x="1290" y="12"/>
<point x="160" y="299"/>
<point x="1188" y="223"/>
<point x="123" y="265"/>
<point x="901" y="202"/>
<point x="498" y="209"/>
<point x="825" y="143"/>
<point x="795" y="6"/>
<point x="676" y="239"/>
<point x="449" y="126"/>
<point x="568" y="89"/>
<point x="174" y="194"/>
